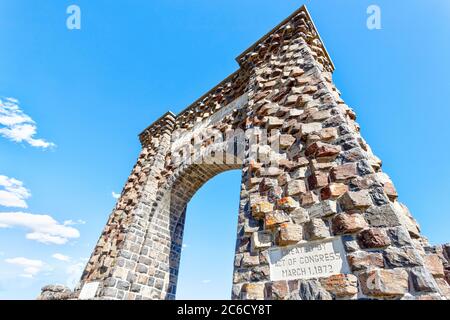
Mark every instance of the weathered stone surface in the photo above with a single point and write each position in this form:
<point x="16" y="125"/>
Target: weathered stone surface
<point x="344" y="172"/>
<point x="317" y="229"/>
<point x="260" y="209"/>
<point x="289" y="234"/>
<point x="309" y="128"/>
<point x="277" y="290"/>
<point x="348" y="223"/>
<point x="295" y="187"/>
<point x="287" y="203"/>
<point x="253" y="291"/>
<point x="382" y="282"/>
<point x="333" y="191"/>
<point x="299" y="216"/>
<point x="308" y="199"/>
<point x="402" y="257"/>
<point x="434" y="264"/>
<point x="320" y="149"/>
<point x="318" y="179"/>
<point x="363" y="260"/>
<point x="341" y="285"/>
<point x="422" y="280"/>
<point x="374" y="238"/>
<point x="286" y="141"/>
<point x="250" y="260"/>
<point x="323" y="209"/>
<point x="358" y="200"/>
<point x="261" y="240"/>
<point x="312" y="290"/>
<point x="275" y="218"/>
<point x="383" y="216"/>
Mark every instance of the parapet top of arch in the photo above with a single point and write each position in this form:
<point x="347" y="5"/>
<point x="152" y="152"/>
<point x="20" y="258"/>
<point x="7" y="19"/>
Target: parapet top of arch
<point x="299" y="23"/>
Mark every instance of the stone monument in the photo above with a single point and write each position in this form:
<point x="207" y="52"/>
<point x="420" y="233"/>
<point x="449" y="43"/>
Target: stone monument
<point x="318" y="218"/>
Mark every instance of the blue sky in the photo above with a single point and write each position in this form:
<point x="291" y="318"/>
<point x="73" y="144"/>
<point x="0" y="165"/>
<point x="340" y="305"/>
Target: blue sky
<point x="91" y="91"/>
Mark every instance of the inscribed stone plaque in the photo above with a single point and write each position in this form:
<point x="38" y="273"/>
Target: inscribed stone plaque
<point x="309" y="260"/>
<point x="89" y="290"/>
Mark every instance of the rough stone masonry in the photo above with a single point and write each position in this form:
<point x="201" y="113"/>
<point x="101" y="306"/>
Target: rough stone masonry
<point x="320" y="220"/>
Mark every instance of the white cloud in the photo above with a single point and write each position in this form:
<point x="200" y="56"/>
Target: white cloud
<point x="206" y="281"/>
<point x="61" y="257"/>
<point x="17" y="126"/>
<point x="43" y="228"/>
<point x="13" y="193"/>
<point x="30" y="267"/>
<point x="74" y="223"/>
<point x="115" y="195"/>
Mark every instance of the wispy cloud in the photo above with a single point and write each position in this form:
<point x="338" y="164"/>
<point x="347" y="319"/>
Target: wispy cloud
<point x="74" y="272"/>
<point x="61" y="257"/>
<point x="74" y="223"/>
<point x="17" y="126"/>
<point x="44" y="228"/>
<point x="30" y="267"/>
<point x="115" y="195"/>
<point x="13" y="193"/>
<point x="206" y="281"/>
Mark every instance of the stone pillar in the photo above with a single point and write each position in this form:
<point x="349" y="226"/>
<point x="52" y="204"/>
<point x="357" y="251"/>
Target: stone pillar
<point x="118" y="249"/>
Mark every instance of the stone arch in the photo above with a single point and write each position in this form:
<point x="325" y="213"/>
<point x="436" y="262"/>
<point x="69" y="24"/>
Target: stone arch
<point x="325" y="192"/>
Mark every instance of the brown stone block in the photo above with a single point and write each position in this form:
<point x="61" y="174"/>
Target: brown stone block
<point x="320" y="149"/>
<point x="333" y="191"/>
<point x="363" y="260"/>
<point x="277" y="290"/>
<point x="348" y="223"/>
<point x="344" y="172"/>
<point x="260" y="209"/>
<point x="274" y="219"/>
<point x="374" y="238"/>
<point x="358" y="200"/>
<point x="287" y="203"/>
<point x="435" y="265"/>
<point x="341" y="285"/>
<point x="318" y="179"/>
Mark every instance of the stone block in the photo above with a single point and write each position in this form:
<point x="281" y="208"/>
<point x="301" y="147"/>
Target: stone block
<point x="383" y="216"/>
<point x="253" y="291"/>
<point x="289" y="234"/>
<point x="422" y="280"/>
<point x="299" y="216"/>
<point x="344" y="172"/>
<point x="363" y="260"/>
<point x="277" y="290"/>
<point x="321" y="149"/>
<point x="295" y="187"/>
<point x="323" y="209"/>
<point x="260" y="209"/>
<point x="435" y="265"/>
<point x="261" y="240"/>
<point x="274" y="219"/>
<point x="318" y="179"/>
<point x="287" y="203"/>
<point x="333" y="191"/>
<point x="384" y="283"/>
<point x="341" y="285"/>
<point x="358" y="200"/>
<point x="402" y="257"/>
<point x="374" y="238"/>
<point x="316" y="229"/>
<point x="348" y="223"/>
